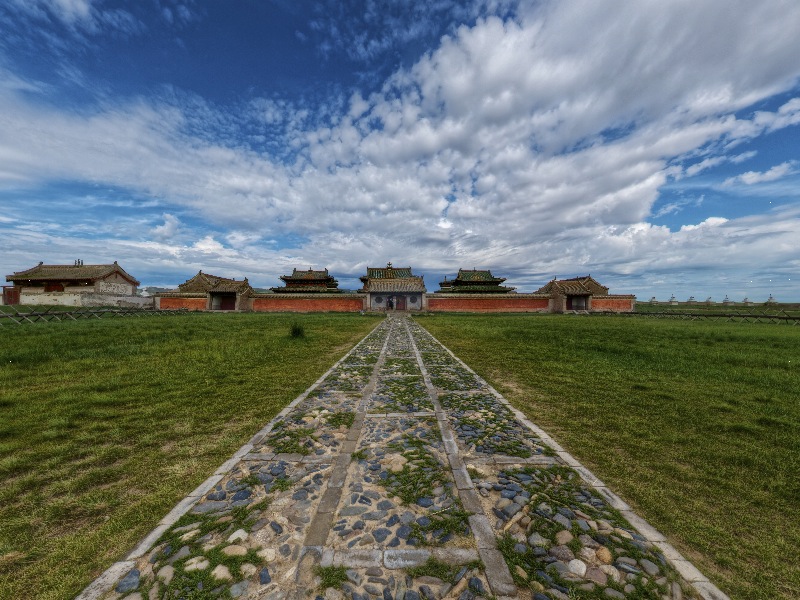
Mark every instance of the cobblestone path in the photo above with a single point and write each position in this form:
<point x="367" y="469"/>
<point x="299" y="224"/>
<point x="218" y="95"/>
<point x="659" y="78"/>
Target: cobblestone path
<point x="401" y="475"/>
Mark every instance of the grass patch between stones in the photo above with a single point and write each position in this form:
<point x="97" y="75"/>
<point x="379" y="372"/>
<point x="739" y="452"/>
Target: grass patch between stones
<point x="331" y="577"/>
<point x="337" y="419"/>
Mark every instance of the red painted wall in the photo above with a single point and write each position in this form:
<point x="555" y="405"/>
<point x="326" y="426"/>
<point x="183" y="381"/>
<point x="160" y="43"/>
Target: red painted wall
<point x="618" y="304"/>
<point x="516" y="303"/>
<point x="188" y="303"/>
<point x="281" y="303"/>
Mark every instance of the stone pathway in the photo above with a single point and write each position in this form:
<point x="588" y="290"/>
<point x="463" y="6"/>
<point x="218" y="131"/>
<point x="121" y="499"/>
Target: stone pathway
<point x="402" y="475"/>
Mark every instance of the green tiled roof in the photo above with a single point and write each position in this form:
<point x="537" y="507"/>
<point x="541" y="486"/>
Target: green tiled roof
<point x="308" y="282"/>
<point x="404" y="284"/>
<point x="391" y="279"/>
<point x="476" y="275"/>
<point x="474" y="281"/>
<point x="310" y="274"/>
<point x="389" y="272"/>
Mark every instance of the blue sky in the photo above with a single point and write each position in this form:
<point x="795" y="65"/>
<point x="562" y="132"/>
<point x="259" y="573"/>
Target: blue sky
<point x="654" y="145"/>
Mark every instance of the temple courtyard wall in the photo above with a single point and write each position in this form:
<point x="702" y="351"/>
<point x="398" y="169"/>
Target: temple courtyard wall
<point x="307" y="303"/>
<point x="173" y="303"/>
<point x="488" y="303"/>
<point x="613" y="304"/>
<point x="466" y="303"/>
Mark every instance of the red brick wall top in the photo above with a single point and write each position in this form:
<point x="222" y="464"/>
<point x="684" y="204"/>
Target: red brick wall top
<point x="488" y="303"/>
<point x="308" y="303"/>
<point x="177" y="303"/>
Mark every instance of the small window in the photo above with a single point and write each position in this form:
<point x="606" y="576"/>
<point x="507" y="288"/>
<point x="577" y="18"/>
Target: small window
<point x="378" y="299"/>
<point x="413" y="299"/>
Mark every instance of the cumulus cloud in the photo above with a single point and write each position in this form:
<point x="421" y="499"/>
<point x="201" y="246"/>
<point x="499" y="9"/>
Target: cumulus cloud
<point x="168" y="230"/>
<point x="753" y="177"/>
<point x="209" y="245"/>
<point x="709" y="222"/>
<point x="537" y="143"/>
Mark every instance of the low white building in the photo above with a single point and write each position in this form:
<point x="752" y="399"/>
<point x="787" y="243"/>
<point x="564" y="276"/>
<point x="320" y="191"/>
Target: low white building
<point x="74" y="285"/>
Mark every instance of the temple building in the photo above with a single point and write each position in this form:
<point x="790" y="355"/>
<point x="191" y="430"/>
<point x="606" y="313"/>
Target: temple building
<point x="572" y="294"/>
<point x="208" y="292"/>
<point x="72" y="285"/>
<point x="308" y="282"/>
<point x="474" y="282"/>
<point x="393" y="288"/>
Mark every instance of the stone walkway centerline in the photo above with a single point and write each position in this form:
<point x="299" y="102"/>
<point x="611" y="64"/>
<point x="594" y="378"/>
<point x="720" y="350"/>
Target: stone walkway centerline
<point x="402" y="475"/>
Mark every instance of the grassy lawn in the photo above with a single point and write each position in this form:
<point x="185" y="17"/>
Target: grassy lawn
<point x="106" y="424"/>
<point x="697" y="425"/>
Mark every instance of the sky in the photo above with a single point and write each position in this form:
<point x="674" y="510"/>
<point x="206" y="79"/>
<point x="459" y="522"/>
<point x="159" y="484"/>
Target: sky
<point x="653" y="145"/>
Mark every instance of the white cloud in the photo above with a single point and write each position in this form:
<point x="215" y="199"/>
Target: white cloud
<point x="208" y="245"/>
<point x="79" y="17"/>
<point x="753" y="177"/>
<point x="676" y="207"/>
<point x="709" y="222"/>
<point x="546" y="139"/>
<point x="744" y="156"/>
<point x="69" y="11"/>
<point x="169" y="230"/>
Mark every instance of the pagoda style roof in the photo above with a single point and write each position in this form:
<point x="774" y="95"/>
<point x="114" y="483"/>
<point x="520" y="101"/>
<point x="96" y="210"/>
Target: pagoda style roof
<point x="391" y="279"/>
<point x="203" y="283"/>
<point x="576" y="286"/>
<point x="389" y="272"/>
<point x="310" y="274"/>
<point x="310" y="281"/>
<point x="76" y="272"/>
<point x="404" y="284"/>
<point x="474" y="281"/>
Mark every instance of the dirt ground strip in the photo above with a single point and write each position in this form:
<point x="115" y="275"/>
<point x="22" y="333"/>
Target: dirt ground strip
<point x="403" y="476"/>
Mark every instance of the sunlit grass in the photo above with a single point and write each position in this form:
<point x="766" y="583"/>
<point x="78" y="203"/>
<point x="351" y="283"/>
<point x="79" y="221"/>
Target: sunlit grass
<point x="106" y="424"/>
<point x="695" y="424"/>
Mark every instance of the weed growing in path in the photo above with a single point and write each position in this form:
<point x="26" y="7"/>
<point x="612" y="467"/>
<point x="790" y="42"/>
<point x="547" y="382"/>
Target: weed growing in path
<point x="331" y="577"/>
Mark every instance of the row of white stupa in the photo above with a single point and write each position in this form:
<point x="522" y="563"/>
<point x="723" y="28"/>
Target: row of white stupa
<point x="708" y="300"/>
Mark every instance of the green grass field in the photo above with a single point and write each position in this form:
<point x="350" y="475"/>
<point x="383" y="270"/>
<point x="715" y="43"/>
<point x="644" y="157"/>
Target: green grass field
<point x="106" y="424"/>
<point x="695" y="424"/>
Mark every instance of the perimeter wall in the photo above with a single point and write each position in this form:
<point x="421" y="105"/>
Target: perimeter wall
<point x="178" y="303"/>
<point x="487" y="303"/>
<point x="308" y="303"/>
<point x="467" y="303"/>
<point x="613" y="303"/>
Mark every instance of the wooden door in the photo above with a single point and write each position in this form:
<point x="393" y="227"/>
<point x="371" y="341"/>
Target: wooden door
<point x="10" y="295"/>
<point x="228" y="302"/>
